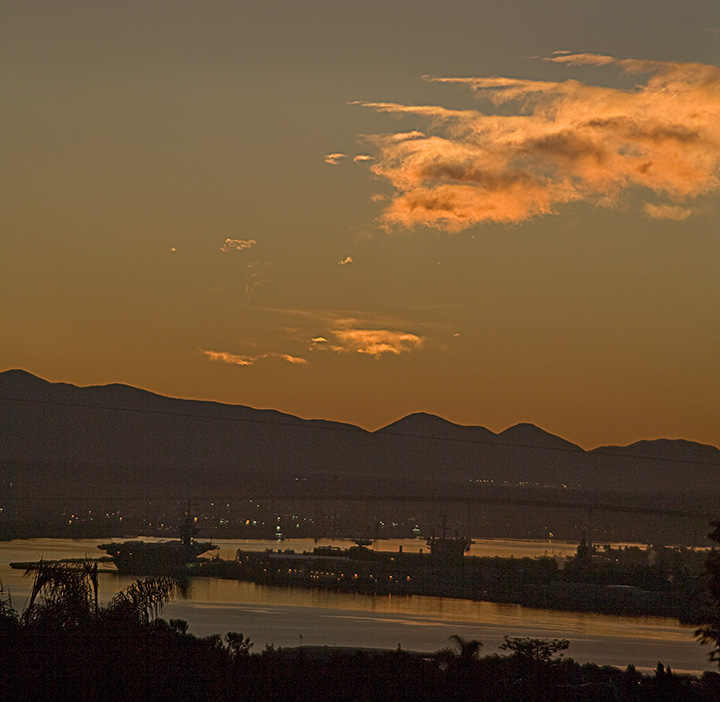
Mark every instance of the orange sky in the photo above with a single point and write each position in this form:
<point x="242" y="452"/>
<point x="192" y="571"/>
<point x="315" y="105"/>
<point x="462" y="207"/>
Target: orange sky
<point x="493" y="212"/>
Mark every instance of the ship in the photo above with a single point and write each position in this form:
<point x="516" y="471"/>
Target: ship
<point x="448" y="548"/>
<point x="443" y="571"/>
<point x="177" y="557"/>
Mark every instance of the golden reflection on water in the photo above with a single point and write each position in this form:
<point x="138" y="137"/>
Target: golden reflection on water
<point x="220" y="593"/>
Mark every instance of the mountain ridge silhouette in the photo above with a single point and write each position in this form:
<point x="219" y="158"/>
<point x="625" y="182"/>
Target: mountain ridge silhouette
<point x="109" y="432"/>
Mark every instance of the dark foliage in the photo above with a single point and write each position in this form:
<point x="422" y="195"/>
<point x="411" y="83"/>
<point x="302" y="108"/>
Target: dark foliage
<point x="125" y="652"/>
<point x="709" y="632"/>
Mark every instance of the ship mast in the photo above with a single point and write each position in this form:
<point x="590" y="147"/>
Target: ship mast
<point x="188" y="529"/>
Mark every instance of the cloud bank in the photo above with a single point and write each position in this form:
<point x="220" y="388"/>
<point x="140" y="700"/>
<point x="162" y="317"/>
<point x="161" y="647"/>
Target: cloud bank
<point x="563" y="142"/>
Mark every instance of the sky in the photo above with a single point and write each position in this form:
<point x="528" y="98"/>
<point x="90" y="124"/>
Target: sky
<point x="492" y="212"/>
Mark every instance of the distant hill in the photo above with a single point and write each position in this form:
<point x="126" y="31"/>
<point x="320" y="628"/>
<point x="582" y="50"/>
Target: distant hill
<point x="123" y="439"/>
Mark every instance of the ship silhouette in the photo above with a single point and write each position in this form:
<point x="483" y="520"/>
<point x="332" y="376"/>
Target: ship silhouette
<point x="176" y="557"/>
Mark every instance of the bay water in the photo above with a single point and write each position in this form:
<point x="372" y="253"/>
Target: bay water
<point x="283" y="616"/>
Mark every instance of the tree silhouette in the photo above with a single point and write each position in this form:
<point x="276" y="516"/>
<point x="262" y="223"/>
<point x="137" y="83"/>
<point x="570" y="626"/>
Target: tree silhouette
<point x="461" y="655"/>
<point x="709" y="632"/>
<point x="143" y="599"/>
<point x="9" y="619"/>
<point x="65" y="592"/>
<point x="466" y="649"/>
<point x="238" y="645"/>
<point x="538" y="650"/>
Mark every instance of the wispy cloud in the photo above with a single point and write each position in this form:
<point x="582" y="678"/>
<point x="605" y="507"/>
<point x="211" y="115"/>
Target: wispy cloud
<point x="564" y="142"/>
<point x="334" y="159"/>
<point x="237" y="244"/>
<point x="242" y="360"/>
<point x="345" y="261"/>
<point x="256" y="276"/>
<point x="363" y="157"/>
<point x="580" y="59"/>
<point x="404" y="136"/>
<point x="351" y="332"/>
<point x="674" y="212"/>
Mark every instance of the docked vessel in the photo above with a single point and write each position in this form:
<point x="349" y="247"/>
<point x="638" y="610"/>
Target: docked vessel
<point x="175" y="557"/>
<point x="443" y="571"/>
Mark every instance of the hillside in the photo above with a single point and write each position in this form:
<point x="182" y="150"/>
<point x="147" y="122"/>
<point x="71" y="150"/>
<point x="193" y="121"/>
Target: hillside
<point x="116" y="437"/>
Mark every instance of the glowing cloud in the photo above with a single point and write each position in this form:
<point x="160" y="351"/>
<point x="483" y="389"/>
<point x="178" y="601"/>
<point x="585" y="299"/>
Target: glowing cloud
<point x="349" y="332"/>
<point x="237" y="244"/>
<point x="224" y="357"/>
<point x="296" y="360"/>
<point x="581" y="59"/>
<point x="239" y="360"/>
<point x="363" y="157"/>
<point x="334" y="159"/>
<point x="566" y="142"/>
<point x="376" y="342"/>
<point x="373" y="342"/>
<point x="345" y="261"/>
